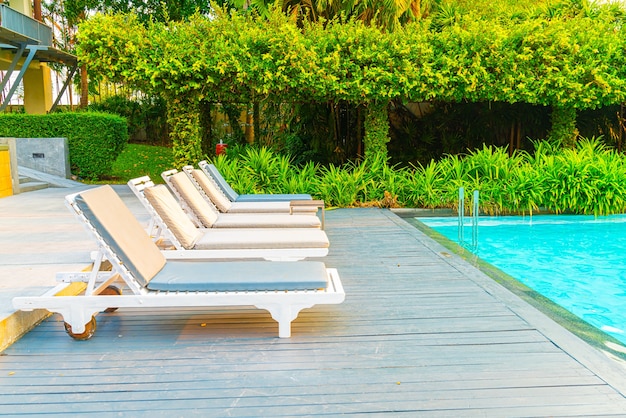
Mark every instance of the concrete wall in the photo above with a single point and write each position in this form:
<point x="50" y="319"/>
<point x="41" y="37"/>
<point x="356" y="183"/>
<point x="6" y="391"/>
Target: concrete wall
<point x="48" y="155"/>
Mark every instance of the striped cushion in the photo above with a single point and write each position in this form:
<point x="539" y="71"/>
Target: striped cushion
<point x="173" y="215"/>
<point x="212" y="191"/>
<point x="203" y="210"/>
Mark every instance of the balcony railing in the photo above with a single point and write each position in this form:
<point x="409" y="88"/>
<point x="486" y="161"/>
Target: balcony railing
<point x="26" y="26"/>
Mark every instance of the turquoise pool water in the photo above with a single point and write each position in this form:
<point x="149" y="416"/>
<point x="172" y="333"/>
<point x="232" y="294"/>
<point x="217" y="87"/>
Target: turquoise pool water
<point x="579" y="262"/>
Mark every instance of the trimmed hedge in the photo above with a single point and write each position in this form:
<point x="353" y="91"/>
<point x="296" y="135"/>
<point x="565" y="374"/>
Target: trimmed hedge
<point x="95" y="139"/>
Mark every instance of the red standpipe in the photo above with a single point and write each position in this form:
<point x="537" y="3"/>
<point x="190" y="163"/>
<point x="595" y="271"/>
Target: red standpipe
<point x="220" y="148"/>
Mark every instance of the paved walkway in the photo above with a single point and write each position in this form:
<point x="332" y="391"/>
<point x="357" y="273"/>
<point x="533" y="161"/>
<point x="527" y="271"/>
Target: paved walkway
<point x="39" y="237"/>
<point x="421" y="333"/>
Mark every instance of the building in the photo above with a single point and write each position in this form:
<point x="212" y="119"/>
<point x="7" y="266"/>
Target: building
<point x="26" y="48"/>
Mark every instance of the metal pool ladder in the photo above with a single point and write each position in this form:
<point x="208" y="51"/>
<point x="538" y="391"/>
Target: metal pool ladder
<point x="461" y="220"/>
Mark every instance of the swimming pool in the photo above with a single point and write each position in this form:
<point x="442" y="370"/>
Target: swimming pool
<point x="579" y="262"/>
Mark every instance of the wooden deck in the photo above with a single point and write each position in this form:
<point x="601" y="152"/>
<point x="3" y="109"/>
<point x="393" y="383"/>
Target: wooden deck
<point x="421" y="333"/>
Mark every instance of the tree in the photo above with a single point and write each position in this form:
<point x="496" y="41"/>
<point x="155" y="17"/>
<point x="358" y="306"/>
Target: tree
<point x="156" y="10"/>
<point x="76" y="11"/>
<point x="576" y="63"/>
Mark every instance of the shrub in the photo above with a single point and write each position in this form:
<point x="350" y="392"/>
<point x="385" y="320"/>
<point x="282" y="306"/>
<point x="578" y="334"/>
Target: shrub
<point x="95" y="139"/>
<point x="146" y="117"/>
<point x="589" y="179"/>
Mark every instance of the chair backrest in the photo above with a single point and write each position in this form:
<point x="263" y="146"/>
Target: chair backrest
<point x="158" y="228"/>
<point x="204" y="211"/>
<point x="114" y="223"/>
<point x="212" y="171"/>
<point x="210" y="188"/>
<point x="173" y="215"/>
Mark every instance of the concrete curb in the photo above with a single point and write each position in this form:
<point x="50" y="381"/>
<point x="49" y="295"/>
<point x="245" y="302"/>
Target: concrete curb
<point x="13" y="327"/>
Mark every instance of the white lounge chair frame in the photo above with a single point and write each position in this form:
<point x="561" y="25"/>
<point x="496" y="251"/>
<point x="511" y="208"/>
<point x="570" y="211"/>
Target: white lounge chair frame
<point x="79" y="311"/>
<point x="291" y="207"/>
<point x="206" y="213"/>
<point x="265" y="206"/>
<point x="159" y="230"/>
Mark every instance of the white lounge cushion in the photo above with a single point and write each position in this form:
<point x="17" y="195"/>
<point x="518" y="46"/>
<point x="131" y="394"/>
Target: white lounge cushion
<point x="212" y="171"/>
<point x="216" y="195"/>
<point x="261" y="238"/>
<point x="210" y="218"/>
<point x="231" y="194"/>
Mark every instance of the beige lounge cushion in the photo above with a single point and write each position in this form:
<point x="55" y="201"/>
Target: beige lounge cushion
<point x="192" y="196"/>
<point x="173" y="215"/>
<point x="121" y="231"/>
<point x="212" y="191"/>
<point x="262" y="238"/>
<point x="266" y="220"/>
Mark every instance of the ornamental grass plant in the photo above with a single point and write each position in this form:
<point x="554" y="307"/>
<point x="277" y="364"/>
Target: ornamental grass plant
<point x="587" y="179"/>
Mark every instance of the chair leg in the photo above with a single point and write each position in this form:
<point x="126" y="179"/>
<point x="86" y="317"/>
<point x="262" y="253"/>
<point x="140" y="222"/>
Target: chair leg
<point x="284" y="314"/>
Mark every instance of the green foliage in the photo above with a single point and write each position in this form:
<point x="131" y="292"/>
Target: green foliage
<point x="589" y="179"/>
<point x="94" y="139"/>
<point x="120" y="46"/>
<point x="563" y="130"/>
<point x="146" y="118"/>
<point x="259" y="170"/>
<point x="183" y="115"/>
<point x="147" y="10"/>
<point x="340" y="186"/>
<point x="574" y="61"/>
<point x="376" y="130"/>
<point x="425" y="186"/>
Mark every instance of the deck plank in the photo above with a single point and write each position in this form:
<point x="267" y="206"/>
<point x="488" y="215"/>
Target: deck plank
<point x="420" y="334"/>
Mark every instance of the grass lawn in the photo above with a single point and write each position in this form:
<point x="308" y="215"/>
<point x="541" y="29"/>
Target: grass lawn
<point x="140" y="160"/>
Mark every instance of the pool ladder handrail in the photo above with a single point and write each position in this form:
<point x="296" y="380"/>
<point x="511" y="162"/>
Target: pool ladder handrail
<point x="461" y="219"/>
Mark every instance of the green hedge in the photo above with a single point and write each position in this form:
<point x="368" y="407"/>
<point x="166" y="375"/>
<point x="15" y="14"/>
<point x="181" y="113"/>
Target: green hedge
<point x="146" y="117"/>
<point x="95" y="139"/>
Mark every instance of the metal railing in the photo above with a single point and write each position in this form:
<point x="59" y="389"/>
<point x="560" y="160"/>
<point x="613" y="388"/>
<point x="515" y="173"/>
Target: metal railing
<point x="461" y="219"/>
<point x="24" y="25"/>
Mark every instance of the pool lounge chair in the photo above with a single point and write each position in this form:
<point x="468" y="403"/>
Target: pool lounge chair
<point x="282" y="288"/>
<point x="206" y="215"/>
<point x="211" y="191"/>
<point x="212" y="171"/>
<point x="179" y="237"/>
